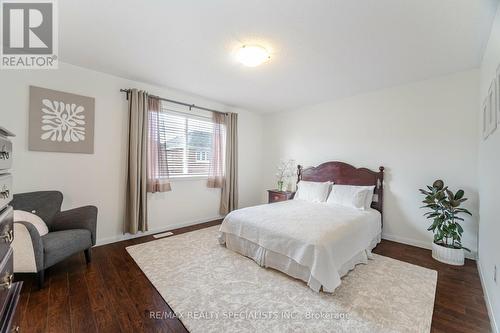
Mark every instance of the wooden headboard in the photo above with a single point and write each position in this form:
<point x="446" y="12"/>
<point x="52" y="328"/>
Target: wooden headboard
<point x="345" y="174"/>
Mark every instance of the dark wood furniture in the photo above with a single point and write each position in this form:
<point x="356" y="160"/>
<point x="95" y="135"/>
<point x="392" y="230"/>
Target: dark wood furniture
<point x="342" y="173"/>
<point x="9" y="290"/>
<point x="276" y="195"/>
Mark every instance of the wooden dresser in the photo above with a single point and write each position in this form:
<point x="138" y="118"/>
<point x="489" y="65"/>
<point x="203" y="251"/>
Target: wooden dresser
<point x="275" y="195"/>
<point x="9" y="290"/>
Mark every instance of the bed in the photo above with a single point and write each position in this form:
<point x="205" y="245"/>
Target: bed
<point x="317" y="243"/>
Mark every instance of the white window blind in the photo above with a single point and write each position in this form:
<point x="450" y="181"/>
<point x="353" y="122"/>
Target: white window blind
<point x="185" y="144"/>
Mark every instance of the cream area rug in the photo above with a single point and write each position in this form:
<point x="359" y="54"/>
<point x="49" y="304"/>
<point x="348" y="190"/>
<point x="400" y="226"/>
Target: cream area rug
<point x="212" y="289"/>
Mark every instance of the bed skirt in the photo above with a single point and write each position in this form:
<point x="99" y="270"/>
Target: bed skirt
<point x="270" y="259"/>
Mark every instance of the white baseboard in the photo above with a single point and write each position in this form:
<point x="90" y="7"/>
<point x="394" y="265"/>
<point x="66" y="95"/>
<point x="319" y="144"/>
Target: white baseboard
<point x="126" y="236"/>
<point x="422" y="244"/>
<point x="494" y="327"/>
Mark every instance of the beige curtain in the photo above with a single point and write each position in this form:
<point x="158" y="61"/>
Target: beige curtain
<point x="217" y="159"/>
<point x="229" y="195"/>
<point x="136" y="205"/>
<point x="223" y="171"/>
<point x="156" y="182"/>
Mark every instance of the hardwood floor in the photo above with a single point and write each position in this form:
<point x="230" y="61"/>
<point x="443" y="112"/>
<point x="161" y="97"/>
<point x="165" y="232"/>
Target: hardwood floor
<point x="459" y="305"/>
<point x="113" y="295"/>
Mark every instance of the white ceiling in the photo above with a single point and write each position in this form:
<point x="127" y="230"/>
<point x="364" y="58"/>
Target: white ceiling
<point x="321" y="49"/>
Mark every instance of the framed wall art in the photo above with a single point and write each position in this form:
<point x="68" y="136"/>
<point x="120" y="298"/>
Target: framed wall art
<point x="497" y="78"/>
<point x="485" y="116"/>
<point x="60" y="121"/>
<point x="492" y="107"/>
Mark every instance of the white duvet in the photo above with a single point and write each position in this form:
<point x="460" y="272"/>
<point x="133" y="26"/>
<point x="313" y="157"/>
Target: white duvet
<point x="320" y="236"/>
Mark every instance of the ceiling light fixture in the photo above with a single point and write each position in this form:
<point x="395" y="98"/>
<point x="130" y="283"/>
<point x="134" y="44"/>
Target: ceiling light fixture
<point x="252" y="55"/>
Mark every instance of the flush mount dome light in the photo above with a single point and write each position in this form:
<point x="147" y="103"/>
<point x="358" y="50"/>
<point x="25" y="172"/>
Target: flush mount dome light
<point x="252" y="55"/>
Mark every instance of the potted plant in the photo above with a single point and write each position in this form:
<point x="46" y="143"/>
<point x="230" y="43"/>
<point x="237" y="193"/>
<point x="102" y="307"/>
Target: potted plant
<point x="445" y="211"/>
<point x="285" y="171"/>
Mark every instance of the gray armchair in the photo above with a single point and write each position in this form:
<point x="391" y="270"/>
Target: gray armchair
<point x="70" y="231"/>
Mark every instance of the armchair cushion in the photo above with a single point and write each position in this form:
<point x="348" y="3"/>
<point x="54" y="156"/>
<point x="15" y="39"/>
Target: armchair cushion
<point x="45" y="204"/>
<point x="77" y="218"/>
<point x="59" y="245"/>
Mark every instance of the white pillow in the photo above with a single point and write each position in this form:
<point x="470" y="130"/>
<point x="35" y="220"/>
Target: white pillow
<point x="351" y="196"/>
<point x="369" y="196"/>
<point x="22" y="216"/>
<point x="312" y="191"/>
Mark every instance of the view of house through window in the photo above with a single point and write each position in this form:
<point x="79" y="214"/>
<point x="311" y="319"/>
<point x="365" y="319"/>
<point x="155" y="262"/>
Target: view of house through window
<point x="185" y="144"/>
<point x="202" y="156"/>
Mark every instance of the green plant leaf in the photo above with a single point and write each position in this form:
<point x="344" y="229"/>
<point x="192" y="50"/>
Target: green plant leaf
<point x="438" y="184"/>
<point x="431" y="206"/>
<point x="440" y="195"/>
<point x="425" y="192"/>
<point x="463" y="210"/>
<point x="449" y="194"/>
<point x="459" y="195"/>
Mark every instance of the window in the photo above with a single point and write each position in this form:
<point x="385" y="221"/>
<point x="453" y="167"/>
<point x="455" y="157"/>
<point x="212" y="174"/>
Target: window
<point x="185" y="144"/>
<point x="202" y="156"/>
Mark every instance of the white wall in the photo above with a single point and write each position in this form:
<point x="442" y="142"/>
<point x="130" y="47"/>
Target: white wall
<point x="489" y="183"/>
<point x="419" y="132"/>
<point x="99" y="179"/>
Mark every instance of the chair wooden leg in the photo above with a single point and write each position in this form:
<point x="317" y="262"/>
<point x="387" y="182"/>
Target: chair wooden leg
<point x="40" y="278"/>
<point x="88" y="255"/>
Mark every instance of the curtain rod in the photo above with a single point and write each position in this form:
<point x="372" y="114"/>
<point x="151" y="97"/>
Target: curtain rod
<point x="191" y="106"/>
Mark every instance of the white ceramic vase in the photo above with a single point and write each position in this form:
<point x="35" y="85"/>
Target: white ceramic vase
<point x="448" y="255"/>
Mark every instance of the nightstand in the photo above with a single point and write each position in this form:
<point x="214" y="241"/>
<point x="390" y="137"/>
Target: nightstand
<point x="275" y="195"/>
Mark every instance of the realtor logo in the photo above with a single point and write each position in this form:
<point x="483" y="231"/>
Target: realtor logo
<point x="29" y="34"/>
